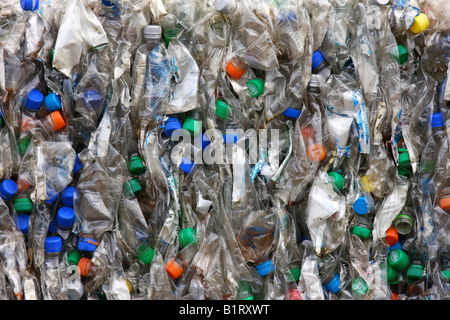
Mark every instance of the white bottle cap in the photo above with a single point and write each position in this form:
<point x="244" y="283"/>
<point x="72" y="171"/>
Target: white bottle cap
<point x="379" y="2"/>
<point x="225" y="7"/>
<point x="152" y="32"/>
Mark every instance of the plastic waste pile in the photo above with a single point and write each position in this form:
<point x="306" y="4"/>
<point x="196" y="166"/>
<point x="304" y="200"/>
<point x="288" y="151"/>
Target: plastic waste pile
<point x="224" y="149"/>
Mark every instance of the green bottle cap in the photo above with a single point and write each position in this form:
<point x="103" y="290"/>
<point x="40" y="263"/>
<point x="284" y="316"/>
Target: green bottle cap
<point x="73" y="257"/>
<point x="145" y="253"/>
<point x="101" y="295"/>
<point x="361" y="232"/>
<point x="414" y="272"/>
<point x="193" y="126"/>
<point x="170" y="34"/>
<point x="400" y="53"/>
<point x="187" y="236"/>
<point x="296" y="273"/>
<point x="392" y="274"/>
<point x="23" y="205"/>
<point x="338" y="180"/>
<point x="245" y="291"/>
<point x="445" y="274"/>
<point x="403" y="172"/>
<point x="136" y="165"/>
<point x="403" y="160"/>
<point x="222" y="109"/>
<point x="255" y="87"/>
<point x="23" y="145"/>
<point x="359" y="287"/>
<point x="132" y="187"/>
<point x="398" y="259"/>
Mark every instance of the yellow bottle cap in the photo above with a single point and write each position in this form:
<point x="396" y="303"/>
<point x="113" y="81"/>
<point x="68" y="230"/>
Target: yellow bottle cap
<point x="420" y="23"/>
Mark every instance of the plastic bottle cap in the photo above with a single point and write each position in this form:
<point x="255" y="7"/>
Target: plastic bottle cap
<point x="391" y="236"/>
<point x="8" y="189"/>
<point x="145" y="253"/>
<point x="225" y="7"/>
<point x="444" y="204"/>
<point x="359" y="286"/>
<point x="93" y="99"/>
<point x="338" y="180"/>
<point x="296" y="273"/>
<point x="170" y="34"/>
<point x="22" y="221"/>
<point x="391" y="274"/>
<point x="235" y="69"/>
<point x="23" y="145"/>
<point x="398" y="259"/>
<point x="75" y="290"/>
<point x="361" y="232"/>
<point x="292" y="113"/>
<point x="420" y="23"/>
<point x="65" y="217"/>
<point x="87" y="243"/>
<point x="414" y="272"/>
<point x="187" y="236"/>
<point x="360" y="206"/>
<point x="171" y="125"/>
<point x="134" y="186"/>
<point x="255" y="87"/>
<point x="231" y="138"/>
<point x="52" y="226"/>
<point x="108" y="3"/>
<point x="52" y="102"/>
<point x="193" y="126"/>
<point x="445" y="274"/>
<point x="317" y="59"/>
<point x="51" y="200"/>
<point x="379" y="2"/>
<point x="186" y="165"/>
<point x="400" y="54"/>
<point x="78" y="164"/>
<point x="34" y="100"/>
<point x="398" y="245"/>
<point x="136" y="165"/>
<point x="23" y="205"/>
<point x="53" y="244"/>
<point x="205" y="141"/>
<point x="68" y="196"/>
<point x="265" y="268"/>
<point x="28" y="5"/>
<point x="437" y="120"/>
<point x="334" y="284"/>
<point x="174" y="269"/>
<point x="222" y="109"/>
<point x="316" y="152"/>
<point x="73" y="257"/>
<point x="152" y="32"/>
<point x="84" y="264"/>
<point x="57" y="121"/>
<point x="294" y="294"/>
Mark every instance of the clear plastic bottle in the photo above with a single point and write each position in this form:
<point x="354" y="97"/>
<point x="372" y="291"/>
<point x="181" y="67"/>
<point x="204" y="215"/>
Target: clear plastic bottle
<point x="52" y="277"/>
<point x="177" y="266"/>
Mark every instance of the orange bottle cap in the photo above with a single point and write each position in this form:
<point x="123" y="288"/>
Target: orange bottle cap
<point x="391" y="236"/>
<point x="83" y="267"/>
<point x="235" y="69"/>
<point x="57" y="121"/>
<point x="316" y="152"/>
<point x="445" y="204"/>
<point x="174" y="269"/>
<point x="394" y="296"/>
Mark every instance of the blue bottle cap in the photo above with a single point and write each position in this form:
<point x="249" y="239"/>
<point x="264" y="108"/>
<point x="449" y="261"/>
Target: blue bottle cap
<point x="22" y="221"/>
<point x="87" y="244"/>
<point x="65" y="217"/>
<point x="317" y="59"/>
<point x="397" y="245"/>
<point x="53" y="244"/>
<point x="231" y="138"/>
<point x="51" y="200"/>
<point x="186" y="165"/>
<point x="93" y="99"/>
<point x="34" y="100"/>
<point x="52" y="226"/>
<point x="437" y="120"/>
<point x="265" y="268"/>
<point x="68" y="196"/>
<point x="108" y="3"/>
<point x="205" y="141"/>
<point x="52" y="102"/>
<point x="78" y="164"/>
<point x="334" y="284"/>
<point x="171" y="125"/>
<point x="360" y="206"/>
<point x="292" y="113"/>
<point x="28" y="5"/>
<point x="8" y="189"/>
